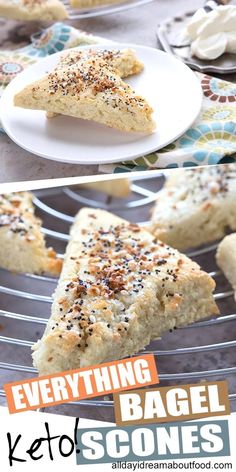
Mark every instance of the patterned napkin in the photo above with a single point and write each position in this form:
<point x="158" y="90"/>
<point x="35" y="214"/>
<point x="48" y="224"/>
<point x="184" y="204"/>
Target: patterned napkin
<point x="49" y="41"/>
<point x="212" y="138"/>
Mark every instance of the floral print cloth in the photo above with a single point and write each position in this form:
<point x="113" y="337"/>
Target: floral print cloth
<point x="212" y="138"/>
<point x="53" y="39"/>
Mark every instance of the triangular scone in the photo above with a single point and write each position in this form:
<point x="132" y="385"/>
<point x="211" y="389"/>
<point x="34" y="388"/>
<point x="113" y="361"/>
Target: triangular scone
<point x="26" y="10"/>
<point x="125" y="61"/>
<point x="117" y="291"/>
<point x="90" y="87"/>
<point x="22" y="244"/>
<point x="226" y="259"/>
<point x="196" y="206"/>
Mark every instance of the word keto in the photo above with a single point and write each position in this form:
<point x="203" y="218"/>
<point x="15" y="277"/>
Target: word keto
<point x="165" y="404"/>
<point x="82" y="383"/>
<point x="41" y="447"/>
<point x="153" y="442"/>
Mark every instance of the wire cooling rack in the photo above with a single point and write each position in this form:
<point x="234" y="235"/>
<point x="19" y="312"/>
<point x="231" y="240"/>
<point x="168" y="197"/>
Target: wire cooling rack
<point x="79" y="13"/>
<point x="205" y="350"/>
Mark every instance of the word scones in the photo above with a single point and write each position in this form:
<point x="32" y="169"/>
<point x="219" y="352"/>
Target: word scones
<point x="153" y="442"/>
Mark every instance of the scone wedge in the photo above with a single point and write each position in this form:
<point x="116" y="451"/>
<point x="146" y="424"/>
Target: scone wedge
<point x="124" y="61"/>
<point x="22" y="244"/>
<point x="118" y="290"/>
<point x="26" y="10"/>
<point x="88" y="84"/>
<point x="226" y="259"/>
<point x="195" y="206"/>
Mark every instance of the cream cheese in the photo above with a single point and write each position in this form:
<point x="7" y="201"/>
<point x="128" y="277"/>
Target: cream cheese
<point x="213" y="33"/>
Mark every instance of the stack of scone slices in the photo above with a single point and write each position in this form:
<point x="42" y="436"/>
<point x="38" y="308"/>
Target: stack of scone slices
<point x="88" y="84"/>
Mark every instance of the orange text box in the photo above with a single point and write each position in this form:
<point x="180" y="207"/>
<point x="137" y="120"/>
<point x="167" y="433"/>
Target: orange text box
<point x="78" y="384"/>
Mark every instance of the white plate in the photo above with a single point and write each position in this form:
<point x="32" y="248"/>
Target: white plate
<point x="170" y="87"/>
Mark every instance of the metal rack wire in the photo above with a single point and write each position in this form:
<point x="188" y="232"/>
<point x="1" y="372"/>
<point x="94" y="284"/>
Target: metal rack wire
<point x="80" y="13"/>
<point x="191" y="353"/>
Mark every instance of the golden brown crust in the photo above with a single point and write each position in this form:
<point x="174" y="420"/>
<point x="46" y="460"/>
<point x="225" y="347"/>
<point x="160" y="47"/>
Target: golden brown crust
<point x="118" y="290"/>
